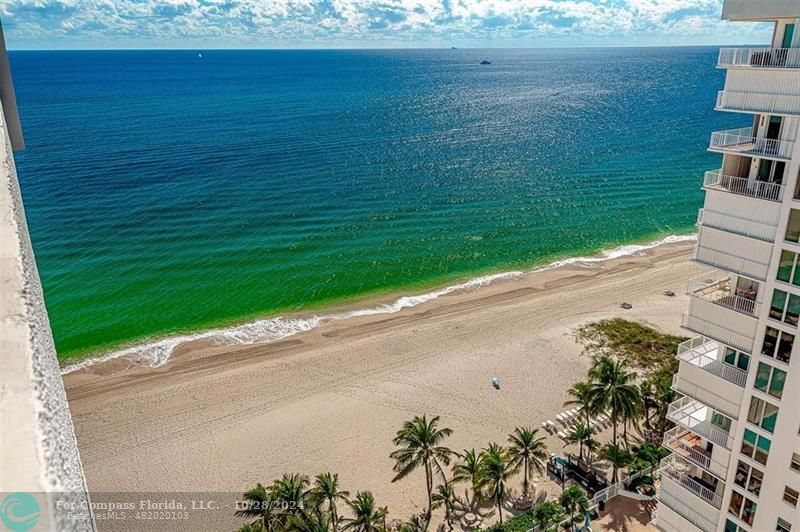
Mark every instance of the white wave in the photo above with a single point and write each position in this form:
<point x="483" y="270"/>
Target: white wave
<point x="158" y="352"/>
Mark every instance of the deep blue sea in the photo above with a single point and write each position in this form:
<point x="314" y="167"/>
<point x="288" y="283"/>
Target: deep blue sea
<point x="168" y="193"/>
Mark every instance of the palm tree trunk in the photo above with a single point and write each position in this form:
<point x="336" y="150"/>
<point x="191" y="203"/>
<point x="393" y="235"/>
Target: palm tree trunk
<point x="500" y="508"/>
<point x="525" y="478"/>
<point x="625" y="431"/>
<point x="614" y="426"/>
<point x="429" y="485"/>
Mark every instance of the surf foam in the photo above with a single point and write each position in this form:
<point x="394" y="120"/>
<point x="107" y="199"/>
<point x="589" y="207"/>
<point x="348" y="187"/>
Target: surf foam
<point x="158" y="352"/>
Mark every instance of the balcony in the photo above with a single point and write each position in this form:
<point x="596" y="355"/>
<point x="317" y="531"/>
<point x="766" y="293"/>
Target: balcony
<point x="743" y="186"/>
<point x="666" y="519"/>
<point x="715" y="312"/>
<point x="707" y="354"/>
<point x="742" y="142"/>
<point x="734" y="253"/>
<point x="696" y="417"/>
<point x="692" y="447"/>
<point x="706" y="487"/>
<point x="759" y="57"/>
<point x="737" y="224"/>
<point x="716" y="288"/>
<point x="758" y="103"/>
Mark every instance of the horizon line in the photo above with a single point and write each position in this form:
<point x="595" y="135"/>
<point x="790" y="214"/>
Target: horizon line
<point x="378" y="48"/>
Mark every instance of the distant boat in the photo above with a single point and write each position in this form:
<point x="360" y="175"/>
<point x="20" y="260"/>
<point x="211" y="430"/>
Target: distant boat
<point x="199" y="56"/>
<point x="485" y="62"/>
<point x="453" y="48"/>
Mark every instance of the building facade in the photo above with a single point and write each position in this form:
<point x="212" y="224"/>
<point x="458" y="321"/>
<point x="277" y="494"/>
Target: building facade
<point x="735" y="464"/>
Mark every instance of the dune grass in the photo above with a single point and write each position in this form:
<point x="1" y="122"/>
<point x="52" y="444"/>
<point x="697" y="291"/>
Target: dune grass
<point x="642" y="346"/>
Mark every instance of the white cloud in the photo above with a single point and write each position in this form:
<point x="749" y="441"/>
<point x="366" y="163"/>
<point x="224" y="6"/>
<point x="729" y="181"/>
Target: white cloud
<point x="333" y="22"/>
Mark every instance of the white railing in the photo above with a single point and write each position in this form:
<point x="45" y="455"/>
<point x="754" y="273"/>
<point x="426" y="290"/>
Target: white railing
<point x="676" y="467"/>
<point x="673" y="439"/>
<point x="743" y="186"/>
<point x="731" y="263"/>
<point x="705" y="353"/>
<point x="760" y="57"/>
<point x="737" y="225"/>
<point x="718" y="332"/>
<point x="755" y="102"/>
<point x="700" y="392"/>
<point x="716" y="288"/>
<point x="670" y="495"/>
<point x="742" y="141"/>
<point x="691" y="414"/>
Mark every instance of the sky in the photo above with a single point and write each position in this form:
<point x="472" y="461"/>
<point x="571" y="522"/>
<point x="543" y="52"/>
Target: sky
<point x="70" y="24"/>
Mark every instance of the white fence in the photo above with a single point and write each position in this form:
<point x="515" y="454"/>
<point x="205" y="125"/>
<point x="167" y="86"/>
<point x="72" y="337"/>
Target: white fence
<point x="743" y="186"/>
<point x="742" y="140"/>
<point x="760" y="57"/>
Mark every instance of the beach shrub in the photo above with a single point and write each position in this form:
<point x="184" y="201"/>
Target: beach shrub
<point x="642" y="346"/>
<point x="519" y="523"/>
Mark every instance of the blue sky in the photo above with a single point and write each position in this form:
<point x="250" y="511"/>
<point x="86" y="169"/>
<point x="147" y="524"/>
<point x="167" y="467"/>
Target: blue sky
<point x="43" y="24"/>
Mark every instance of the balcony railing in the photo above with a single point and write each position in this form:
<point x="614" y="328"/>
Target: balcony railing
<point x="738" y="225"/>
<point x="706" y="353"/>
<point x="742" y="141"/>
<point x="692" y="414"/>
<point x="716" y="288"/>
<point x="760" y="57"/>
<point x="712" y="329"/>
<point x="684" y="442"/>
<point x="730" y="262"/>
<point x="743" y="186"/>
<point x="671" y="494"/>
<point x="677" y="468"/>
<point x="758" y="102"/>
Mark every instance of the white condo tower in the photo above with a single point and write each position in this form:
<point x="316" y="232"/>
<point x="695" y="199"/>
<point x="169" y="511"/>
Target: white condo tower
<point x="736" y="449"/>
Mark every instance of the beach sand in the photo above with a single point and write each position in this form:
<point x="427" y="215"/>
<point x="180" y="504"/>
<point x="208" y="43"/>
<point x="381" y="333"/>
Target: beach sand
<point x="331" y="399"/>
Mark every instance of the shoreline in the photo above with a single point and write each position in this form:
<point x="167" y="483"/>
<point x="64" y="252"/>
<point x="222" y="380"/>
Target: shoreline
<point x="222" y="418"/>
<point x="270" y="328"/>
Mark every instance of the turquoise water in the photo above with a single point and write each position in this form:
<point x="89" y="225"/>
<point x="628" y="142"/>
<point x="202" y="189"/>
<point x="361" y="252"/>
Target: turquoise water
<point x="167" y="193"/>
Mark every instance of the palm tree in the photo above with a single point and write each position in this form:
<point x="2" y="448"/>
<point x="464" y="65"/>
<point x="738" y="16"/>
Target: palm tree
<point x="528" y="452"/>
<point x="259" y="504"/>
<point x="419" y="443"/>
<point x="617" y="457"/>
<point x="445" y="496"/>
<point x="657" y="394"/>
<point x="365" y="517"/>
<point x="289" y="492"/>
<point x="582" y="435"/>
<point x="581" y="394"/>
<point x="311" y="519"/>
<point x="573" y="500"/>
<point x="469" y="470"/>
<point x="613" y="389"/>
<point x="547" y="515"/>
<point x="498" y="468"/>
<point x="326" y="488"/>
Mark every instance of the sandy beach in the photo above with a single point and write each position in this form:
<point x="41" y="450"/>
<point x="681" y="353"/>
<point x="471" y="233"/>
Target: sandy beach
<point x="331" y="399"/>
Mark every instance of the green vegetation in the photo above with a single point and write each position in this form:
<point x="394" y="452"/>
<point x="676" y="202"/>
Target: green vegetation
<point x="642" y="347"/>
<point x="486" y="476"/>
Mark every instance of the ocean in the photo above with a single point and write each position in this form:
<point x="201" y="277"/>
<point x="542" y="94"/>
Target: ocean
<point x="169" y="194"/>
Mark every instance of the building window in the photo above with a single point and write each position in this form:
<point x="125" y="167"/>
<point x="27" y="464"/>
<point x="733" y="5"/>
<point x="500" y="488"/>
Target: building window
<point x="790" y="495"/>
<point x="795" y="465"/>
<point x="788" y="272"/>
<point x="778" y="345"/>
<point x="793" y="227"/>
<point x="721" y="421"/>
<point x="770" y="380"/>
<point x="785" y="307"/>
<point x="762" y="413"/>
<point x="730" y="526"/>
<point x="783" y="526"/>
<point x="737" y="358"/>
<point x="755" y="447"/>
<point x="749" y="478"/>
<point x="742" y="507"/>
